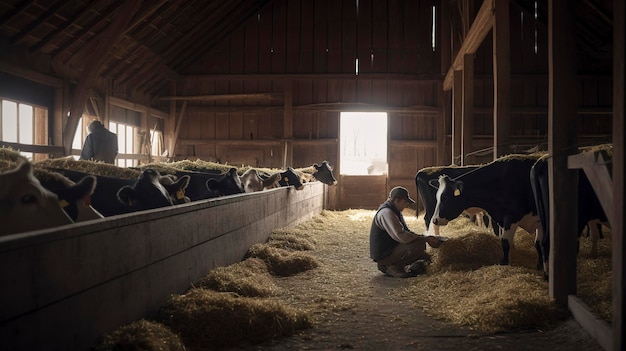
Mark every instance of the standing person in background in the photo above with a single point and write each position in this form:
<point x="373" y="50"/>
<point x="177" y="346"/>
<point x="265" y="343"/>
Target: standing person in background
<point x="398" y="251"/>
<point x="100" y="145"/>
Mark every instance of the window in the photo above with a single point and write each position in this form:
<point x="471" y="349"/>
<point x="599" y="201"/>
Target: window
<point x="156" y="143"/>
<point x="363" y="146"/>
<point x="24" y="124"/>
<point x="127" y="143"/>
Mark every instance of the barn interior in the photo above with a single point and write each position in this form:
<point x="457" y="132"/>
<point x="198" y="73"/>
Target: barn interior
<point x="270" y="83"/>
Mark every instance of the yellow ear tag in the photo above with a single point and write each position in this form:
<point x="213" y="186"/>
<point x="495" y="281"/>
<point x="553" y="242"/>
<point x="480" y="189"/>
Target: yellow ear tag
<point x="63" y="203"/>
<point x="180" y="194"/>
<point x="286" y="179"/>
<point x="457" y="192"/>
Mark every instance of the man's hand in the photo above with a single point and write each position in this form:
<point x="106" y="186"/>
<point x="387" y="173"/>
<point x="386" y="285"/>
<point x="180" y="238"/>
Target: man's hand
<point x="433" y="241"/>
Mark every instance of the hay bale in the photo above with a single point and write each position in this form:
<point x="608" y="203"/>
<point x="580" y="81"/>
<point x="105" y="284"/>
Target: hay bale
<point x="467" y="252"/>
<point x="208" y="320"/>
<point x="294" y="239"/>
<point x="247" y="278"/>
<point x="141" y="335"/>
<point x="490" y="299"/>
<point x="282" y="262"/>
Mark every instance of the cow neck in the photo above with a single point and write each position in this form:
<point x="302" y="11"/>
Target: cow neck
<point x="474" y="181"/>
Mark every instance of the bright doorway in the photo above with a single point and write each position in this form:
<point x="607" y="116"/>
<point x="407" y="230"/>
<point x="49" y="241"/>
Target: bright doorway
<point x="363" y="143"/>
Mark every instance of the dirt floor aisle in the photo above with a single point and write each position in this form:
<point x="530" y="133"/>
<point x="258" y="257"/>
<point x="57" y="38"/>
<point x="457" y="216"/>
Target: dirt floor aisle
<point x="357" y="308"/>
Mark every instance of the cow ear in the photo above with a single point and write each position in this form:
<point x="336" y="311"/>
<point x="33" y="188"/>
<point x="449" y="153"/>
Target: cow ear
<point x="434" y="183"/>
<point x="127" y="195"/>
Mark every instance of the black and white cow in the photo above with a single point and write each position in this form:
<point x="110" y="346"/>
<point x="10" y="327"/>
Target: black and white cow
<point x="105" y="197"/>
<point x="427" y="182"/>
<point x="502" y="188"/>
<point x="289" y="177"/>
<point x="590" y="210"/>
<point x="252" y="181"/>
<point x="147" y="192"/>
<point x="206" y="185"/>
<point x="324" y="173"/>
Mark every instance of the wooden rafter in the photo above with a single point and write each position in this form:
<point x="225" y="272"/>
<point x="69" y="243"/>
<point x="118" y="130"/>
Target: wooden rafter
<point x="263" y="96"/>
<point x="480" y="28"/>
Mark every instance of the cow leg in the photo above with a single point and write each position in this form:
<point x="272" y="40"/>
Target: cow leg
<point x="507" y="236"/>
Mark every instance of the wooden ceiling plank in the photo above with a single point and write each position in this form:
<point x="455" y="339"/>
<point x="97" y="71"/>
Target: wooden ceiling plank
<point x="221" y="97"/>
<point x="16" y="12"/>
<point x="50" y="12"/>
<point x="52" y="34"/>
<point x="86" y="29"/>
<point x="478" y="31"/>
<point x="219" y="32"/>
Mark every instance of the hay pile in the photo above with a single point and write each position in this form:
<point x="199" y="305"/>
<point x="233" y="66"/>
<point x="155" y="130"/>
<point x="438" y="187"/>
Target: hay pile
<point x="209" y="319"/>
<point x="595" y="275"/>
<point x="282" y="262"/>
<point x="295" y="239"/>
<point x="247" y="278"/>
<point x="490" y="299"/>
<point x="91" y="167"/>
<point x="141" y="335"/>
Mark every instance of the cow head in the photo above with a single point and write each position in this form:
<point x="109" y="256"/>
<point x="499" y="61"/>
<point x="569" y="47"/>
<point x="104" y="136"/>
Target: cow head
<point x="75" y="198"/>
<point x="25" y="204"/>
<point x="450" y="203"/>
<point x="324" y="173"/>
<point x="289" y="177"/>
<point x="228" y="184"/>
<point x="148" y="192"/>
<point x="251" y="181"/>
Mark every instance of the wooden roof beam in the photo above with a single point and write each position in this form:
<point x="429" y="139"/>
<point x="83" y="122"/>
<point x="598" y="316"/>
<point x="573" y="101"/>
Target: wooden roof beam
<point x="480" y="28"/>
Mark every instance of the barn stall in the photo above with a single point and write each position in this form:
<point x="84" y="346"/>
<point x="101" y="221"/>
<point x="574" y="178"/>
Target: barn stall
<point x="264" y="83"/>
<point x="125" y="267"/>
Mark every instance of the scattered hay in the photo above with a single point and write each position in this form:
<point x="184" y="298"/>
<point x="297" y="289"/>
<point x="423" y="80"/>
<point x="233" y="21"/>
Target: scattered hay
<point x="490" y="299"/>
<point x="282" y="262"/>
<point x="247" y="278"/>
<point x="207" y="319"/>
<point x="9" y="154"/>
<point x="294" y="239"/>
<point x="141" y="335"/>
<point x="595" y="276"/>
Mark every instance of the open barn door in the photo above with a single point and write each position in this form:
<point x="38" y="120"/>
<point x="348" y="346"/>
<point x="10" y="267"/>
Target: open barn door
<point x="363" y="159"/>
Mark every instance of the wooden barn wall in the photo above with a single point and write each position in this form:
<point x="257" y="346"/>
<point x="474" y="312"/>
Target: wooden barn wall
<point x="289" y="44"/>
<point x="529" y="92"/>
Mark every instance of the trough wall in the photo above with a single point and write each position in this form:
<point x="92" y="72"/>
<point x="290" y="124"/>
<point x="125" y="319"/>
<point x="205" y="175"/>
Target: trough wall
<point x="62" y="288"/>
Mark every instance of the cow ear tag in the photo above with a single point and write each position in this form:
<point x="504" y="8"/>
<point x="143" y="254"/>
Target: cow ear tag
<point x="457" y="192"/>
<point x="286" y="179"/>
<point x="63" y="203"/>
<point x="180" y="194"/>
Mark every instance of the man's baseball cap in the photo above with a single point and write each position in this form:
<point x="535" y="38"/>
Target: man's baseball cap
<point x="400" y="192"/>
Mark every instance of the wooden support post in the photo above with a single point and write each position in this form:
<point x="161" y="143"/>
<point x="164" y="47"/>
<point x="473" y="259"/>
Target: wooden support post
<point x="457" y="117"/>
<point x="619" y="133"/>
<point x="179" y="122"/>
<point x="501" y="80"/>
<point x="563" y="182"/>
<point x="288" y="124"/>
<point x="468" y="108"/>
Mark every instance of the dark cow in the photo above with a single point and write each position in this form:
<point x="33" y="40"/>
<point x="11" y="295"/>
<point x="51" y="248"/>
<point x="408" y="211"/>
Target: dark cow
<point x="503" y="189"/>
<point x="290" y="177"/>
<point x="426" y="182"/>
<point x="590" y="211"/>
<point x="206" y="185"/>
<point x="252" y="181"/>
<point x="147" y="192"/>
<point x="324" y="173"/>
<point x="105" y="200"/>
<point x="25" y="205"/>
<point x="75" y="198"/>
<point x="228" y="183"/>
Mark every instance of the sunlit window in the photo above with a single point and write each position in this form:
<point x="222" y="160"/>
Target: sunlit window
<point x="363" y="146"/>
<point x="126" y="143"/>
<point x="156" y="143"/>
<point x="17" y="124"/>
